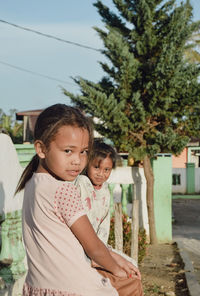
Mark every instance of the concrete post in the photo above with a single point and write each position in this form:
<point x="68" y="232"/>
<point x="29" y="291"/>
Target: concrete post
<point x="162" y="168"/>
<point x="190" y="177"/>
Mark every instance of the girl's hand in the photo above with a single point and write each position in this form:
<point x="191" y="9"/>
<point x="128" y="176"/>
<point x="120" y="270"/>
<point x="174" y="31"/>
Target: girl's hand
<point x="120" y="272"/>
<point x="129" y="268"/>
<point x="134" y="271"/>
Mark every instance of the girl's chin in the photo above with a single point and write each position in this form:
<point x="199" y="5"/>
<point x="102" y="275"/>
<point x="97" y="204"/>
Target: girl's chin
<point x="71" y="178"/>
<point x="98" y="186"/>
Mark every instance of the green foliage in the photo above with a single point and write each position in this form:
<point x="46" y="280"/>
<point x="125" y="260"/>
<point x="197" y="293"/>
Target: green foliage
<point x="127" y="224"/>
<point x="111" y="239"/>
<point x="142" y="244"/>
<point x="148" y="101"/>
<point x="10" y="126"/>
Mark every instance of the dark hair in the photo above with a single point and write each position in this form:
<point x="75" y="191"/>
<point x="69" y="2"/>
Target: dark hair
<point x="101" y="150"/>
<point x="46" y="127"/>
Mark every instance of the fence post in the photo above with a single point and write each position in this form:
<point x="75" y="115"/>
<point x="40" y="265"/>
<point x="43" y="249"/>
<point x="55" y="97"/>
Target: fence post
<point x="135" y="226"/>
<point x="118" y="227"/>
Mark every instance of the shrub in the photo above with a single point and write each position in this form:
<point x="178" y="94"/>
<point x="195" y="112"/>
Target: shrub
<point x="127" y="224"/>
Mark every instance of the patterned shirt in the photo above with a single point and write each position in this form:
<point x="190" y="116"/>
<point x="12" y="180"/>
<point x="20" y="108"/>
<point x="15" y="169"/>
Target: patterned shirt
<point x="97" y="206"/>
<point x="56" y="260"/>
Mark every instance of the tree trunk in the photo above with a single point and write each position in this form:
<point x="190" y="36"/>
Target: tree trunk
<point x="148" y="172"/>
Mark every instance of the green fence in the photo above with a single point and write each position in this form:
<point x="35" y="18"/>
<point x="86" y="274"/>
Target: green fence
<point x="25" y="153"/>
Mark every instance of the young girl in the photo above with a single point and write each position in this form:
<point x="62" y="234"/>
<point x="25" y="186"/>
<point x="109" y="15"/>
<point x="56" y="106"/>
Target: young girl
<point x="94" y="188"/>
<point x="96" y="200"/>
<point x="56" y="230"/>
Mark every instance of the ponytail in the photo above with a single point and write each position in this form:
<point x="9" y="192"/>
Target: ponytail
<point x="27" y="173"/>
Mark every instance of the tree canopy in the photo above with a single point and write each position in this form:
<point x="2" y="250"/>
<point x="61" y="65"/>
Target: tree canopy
<point x="148" y="101"/>
<point x="10" y="126"/>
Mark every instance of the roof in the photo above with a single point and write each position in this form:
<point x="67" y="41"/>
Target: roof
<point x="21" y="114"/>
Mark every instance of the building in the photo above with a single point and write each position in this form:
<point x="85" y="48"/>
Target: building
<point x="29" y="119"/>
<point x="190" y="154"/>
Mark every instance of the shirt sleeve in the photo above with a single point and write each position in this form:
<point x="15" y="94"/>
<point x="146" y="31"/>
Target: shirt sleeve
<point x="67" y="204"/>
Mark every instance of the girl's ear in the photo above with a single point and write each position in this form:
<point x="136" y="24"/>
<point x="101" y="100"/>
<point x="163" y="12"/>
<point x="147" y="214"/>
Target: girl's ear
<point x="40" y="149"/>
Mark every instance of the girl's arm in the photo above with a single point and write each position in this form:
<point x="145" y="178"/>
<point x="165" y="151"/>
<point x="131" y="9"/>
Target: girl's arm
<point x="68" y="207"/>
<point x="94" y="247"/>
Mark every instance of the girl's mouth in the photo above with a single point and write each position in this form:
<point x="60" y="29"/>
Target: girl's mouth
<point x="99" y="179"/>
<point x="74" y="172"/>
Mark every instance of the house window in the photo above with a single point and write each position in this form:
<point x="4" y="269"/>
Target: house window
<point x="176" y="179"/>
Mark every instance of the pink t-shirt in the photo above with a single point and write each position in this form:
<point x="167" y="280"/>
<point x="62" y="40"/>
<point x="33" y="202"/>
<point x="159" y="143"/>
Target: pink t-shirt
<point x="57" y="264"/>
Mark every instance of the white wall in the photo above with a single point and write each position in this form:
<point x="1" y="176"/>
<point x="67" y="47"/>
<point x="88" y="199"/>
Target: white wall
<point x="182" y="188"/>
<point x="197" y="180"/>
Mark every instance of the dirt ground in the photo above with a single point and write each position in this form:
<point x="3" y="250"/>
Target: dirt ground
<point x="162" y="271"/>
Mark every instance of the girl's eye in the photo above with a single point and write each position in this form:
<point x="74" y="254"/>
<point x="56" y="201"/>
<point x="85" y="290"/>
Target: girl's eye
<point x="84" y="152"/>
<point x="95" y="167"/>
<point x="68" y="151"/>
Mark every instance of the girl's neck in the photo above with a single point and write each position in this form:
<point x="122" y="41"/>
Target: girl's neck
<point x="97" y="187"/>
<point x="43" y="168"/>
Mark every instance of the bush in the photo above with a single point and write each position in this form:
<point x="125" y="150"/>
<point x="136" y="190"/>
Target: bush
<point x="142" y="239"/>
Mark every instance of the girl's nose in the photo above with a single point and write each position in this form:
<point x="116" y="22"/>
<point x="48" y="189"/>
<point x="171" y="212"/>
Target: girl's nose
<point x="76" y="160"/>
<point x="100" y="172"/>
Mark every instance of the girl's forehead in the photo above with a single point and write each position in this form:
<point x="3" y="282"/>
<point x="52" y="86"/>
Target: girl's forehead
<point x="70" y="127"/>
<point x="71" y="130"/>
<point x="98" y="160"/>
<point x="72" y="135"/>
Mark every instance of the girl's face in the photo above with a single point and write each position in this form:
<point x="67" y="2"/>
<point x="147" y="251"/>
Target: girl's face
<point x="99" y="171"/>
<point x="66" y="156"/>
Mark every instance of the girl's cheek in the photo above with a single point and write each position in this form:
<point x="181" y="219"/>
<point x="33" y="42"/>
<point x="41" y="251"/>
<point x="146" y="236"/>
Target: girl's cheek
<point x="85" y="160"/>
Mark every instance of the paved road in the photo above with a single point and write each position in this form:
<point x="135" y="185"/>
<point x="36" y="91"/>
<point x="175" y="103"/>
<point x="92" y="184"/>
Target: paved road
<point x="186" y="229"/>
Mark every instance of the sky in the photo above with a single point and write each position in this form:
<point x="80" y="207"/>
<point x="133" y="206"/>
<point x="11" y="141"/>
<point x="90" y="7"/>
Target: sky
<point x="35" y="68"/>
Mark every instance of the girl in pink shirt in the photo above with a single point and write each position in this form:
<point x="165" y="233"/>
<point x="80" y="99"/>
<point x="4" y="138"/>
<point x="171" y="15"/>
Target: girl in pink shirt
<point x="56" y="230"/>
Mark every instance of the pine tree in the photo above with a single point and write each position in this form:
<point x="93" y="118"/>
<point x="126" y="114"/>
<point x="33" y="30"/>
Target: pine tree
<point x="148" y="102"/>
